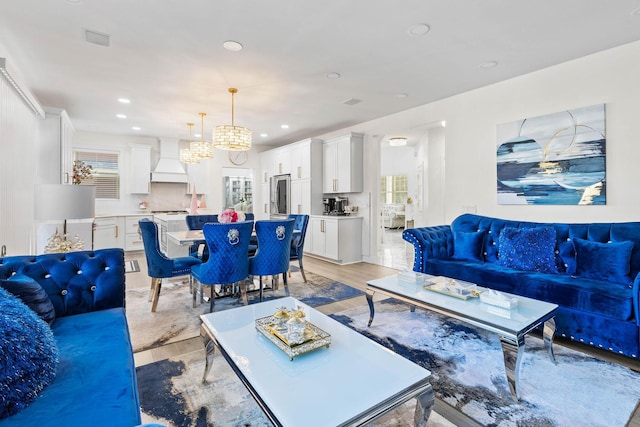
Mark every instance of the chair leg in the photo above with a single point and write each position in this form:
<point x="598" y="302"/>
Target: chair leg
<point x="152" y="290"/>
<point x="212" y="301"/>
<point x="286" y="286"/>
<point x="194" y="294"/>
<point x="302" y="270"/>
<point x="261" y="290"/>
<point x="243" y="291"/>
<point x="156" y="293"/>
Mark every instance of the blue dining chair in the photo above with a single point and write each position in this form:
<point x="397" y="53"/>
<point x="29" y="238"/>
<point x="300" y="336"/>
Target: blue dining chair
<point x="274" y="248"/>
<point x="196" y="222"/>
<point x="228" y="262"/>
<point x="159" y="266"/>
<point x="297" y="241"/>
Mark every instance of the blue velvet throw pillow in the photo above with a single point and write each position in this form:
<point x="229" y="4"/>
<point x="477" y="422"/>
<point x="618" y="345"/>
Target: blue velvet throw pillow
<point x="32" y="294"/>
<point x="467" y="246"/>
<point x="28" y="355"/>
<point x="528" y="249"/>
<point x="604" y="261"/>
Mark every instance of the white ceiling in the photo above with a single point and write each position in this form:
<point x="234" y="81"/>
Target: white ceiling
<point x="167" y="57"/>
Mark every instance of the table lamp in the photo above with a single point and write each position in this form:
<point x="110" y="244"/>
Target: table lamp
<point x="64" y="202"/>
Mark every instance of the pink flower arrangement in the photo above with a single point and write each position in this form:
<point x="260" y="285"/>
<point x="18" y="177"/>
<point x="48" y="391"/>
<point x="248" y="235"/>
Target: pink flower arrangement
<point x="230" y="215"/>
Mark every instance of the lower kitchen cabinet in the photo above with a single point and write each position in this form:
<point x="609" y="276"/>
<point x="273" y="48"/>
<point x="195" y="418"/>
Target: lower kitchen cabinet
<point x="337" y="239"/>
<point x="108" y="232"/>
<point x="133" y="237"/>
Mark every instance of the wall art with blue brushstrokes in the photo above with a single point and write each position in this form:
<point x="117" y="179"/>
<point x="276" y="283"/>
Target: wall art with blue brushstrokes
<point x="555" y="159"/>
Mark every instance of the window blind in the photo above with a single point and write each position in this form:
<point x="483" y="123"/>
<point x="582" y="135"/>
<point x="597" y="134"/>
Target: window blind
<point x="106" y="172"/>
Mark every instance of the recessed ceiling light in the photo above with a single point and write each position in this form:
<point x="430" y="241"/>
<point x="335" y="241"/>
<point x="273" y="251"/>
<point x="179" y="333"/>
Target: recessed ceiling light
<point x="489" y="64"/>
<point x="264" y="135"/>
<point x="418" y="29"/>
<point x="443" y="124"/>
<point x="397" y="141"/>
<point x="233" y="46"/>
<point x="401" y="95"/>
<point x="333" y="75"/>
<point x="197" y="135"/>
<point x="121" y="116"/>
<point x="124" y="101"/>
<point x="136" y="127"/>
<point x="284" y="126"/>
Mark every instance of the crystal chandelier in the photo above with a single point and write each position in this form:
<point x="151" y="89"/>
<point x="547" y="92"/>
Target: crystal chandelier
<point x="186" y="154"/>
<point x="232" y="137"/>
<point x="202" y="149"/>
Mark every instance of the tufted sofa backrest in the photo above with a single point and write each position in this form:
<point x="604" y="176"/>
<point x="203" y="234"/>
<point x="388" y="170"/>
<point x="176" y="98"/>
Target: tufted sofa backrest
<point x="76" y="282"/>
<point x="565" y="251"/>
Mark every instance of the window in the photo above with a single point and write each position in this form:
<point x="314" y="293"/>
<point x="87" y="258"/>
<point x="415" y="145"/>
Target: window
<point x="106" y="172"/>
<point x="393" y="189"/>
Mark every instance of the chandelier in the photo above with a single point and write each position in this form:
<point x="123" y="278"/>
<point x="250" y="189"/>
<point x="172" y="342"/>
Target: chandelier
<point x="232" y="137"/>
<point x="202" y="149"/>
<point x="186" y="154"/>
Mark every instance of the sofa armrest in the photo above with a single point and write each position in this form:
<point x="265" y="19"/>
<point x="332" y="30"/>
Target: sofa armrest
<point x="435" y="242"/>
<point x="636" y="298"/>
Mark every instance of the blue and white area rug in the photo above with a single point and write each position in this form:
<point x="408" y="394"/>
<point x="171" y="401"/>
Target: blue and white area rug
<point x="175" y="319"/>
<point x="468" y="371"/>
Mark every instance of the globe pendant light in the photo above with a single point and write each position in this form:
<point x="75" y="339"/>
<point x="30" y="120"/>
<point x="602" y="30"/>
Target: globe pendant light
<point x="232" y="137"/>
<point x="202" y="149"/>
<point x="186" y="154"/>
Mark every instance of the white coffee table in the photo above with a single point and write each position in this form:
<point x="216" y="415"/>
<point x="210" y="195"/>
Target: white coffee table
<point x="350" y="383"/>
<point x="512" y="325"/>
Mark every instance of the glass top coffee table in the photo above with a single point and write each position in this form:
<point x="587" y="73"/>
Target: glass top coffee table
<point x="511" y="324"/>
<point x="349" y="383"/>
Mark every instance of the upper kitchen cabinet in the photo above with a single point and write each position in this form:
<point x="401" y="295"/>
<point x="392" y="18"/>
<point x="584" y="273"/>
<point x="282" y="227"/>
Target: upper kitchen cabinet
<point x="140" y="169"/>
<point x="55" y="155"/>
<point x="306" y="159"/>
<point x="343" y="168"/>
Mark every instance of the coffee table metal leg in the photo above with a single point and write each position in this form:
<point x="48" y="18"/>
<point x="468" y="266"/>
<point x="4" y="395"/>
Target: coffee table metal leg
<point x="548" y="331"/>
<point x="369" y="295"/>
<point x="209" y="349"/>
<point x="424" y="405"/>
<point x="512" y="351"/>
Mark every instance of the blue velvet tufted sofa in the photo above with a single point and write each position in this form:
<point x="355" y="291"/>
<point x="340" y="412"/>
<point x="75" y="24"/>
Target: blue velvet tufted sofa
<point x="591" y="272"/>
<point x="95" y="383"/>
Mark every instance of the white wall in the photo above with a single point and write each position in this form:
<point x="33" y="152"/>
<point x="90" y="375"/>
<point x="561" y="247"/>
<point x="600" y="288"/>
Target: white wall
<point x="467" y="154"/>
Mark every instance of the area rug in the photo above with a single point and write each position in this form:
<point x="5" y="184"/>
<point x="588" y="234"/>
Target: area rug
<point x="172" y="394"/>
<point x="468" y="371"/>
<point x="175" y="319"/>
<point x="131" y="266"/>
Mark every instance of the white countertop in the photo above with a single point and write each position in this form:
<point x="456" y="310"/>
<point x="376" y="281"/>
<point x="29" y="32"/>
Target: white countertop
<point x="340" y="217"/>
<point x="170" y="217"/>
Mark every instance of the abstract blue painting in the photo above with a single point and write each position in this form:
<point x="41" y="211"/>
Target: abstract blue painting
<point x="555" y="159"/>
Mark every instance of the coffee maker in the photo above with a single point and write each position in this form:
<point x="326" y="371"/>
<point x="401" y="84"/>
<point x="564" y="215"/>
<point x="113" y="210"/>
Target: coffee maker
<point x="341" y="203"/>
<point x="329" y="205"/>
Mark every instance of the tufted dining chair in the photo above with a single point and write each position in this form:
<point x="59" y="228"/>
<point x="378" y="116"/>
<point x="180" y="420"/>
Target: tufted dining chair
<point x="196" y="222"/>
<point x="274" y="248"/>
<point x="297" y="241"/>
<point x="228" y="262"/>
<point x="160" y="266"/>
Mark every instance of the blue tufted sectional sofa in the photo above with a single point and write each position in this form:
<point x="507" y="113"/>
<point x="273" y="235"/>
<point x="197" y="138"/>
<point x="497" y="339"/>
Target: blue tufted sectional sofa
<point x="590" y="270"/>
<point x="95" y="383"/>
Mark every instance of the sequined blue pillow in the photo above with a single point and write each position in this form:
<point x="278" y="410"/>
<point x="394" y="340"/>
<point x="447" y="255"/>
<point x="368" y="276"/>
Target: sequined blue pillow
<point x="528" y="249"/>
<point x="467" y="246"/>
<point x="604" y="261"/>
<point x="28" y="355"/>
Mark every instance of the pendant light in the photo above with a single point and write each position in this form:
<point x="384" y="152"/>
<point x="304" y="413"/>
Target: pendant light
<point x="232" y="137"/>
<point x="186" y="154"/>
<point x="202" y="149"/>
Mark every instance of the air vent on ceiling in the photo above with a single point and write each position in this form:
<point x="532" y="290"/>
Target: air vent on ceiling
<point x="352" y="101"/>
<point x="95" y="37"/>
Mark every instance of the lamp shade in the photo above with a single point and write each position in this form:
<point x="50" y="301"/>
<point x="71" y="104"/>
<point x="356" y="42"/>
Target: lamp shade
<point x="60" y="201"/>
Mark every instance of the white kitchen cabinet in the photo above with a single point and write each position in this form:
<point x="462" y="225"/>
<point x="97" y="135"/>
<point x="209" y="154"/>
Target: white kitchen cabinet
<point x="55" y="155"/>
<point x="140" y="169"/>
<point x="132" y="236"/>
<point x="336" y="239"/>
<point x="108" y="232"/>
<point x="343" y="165"/>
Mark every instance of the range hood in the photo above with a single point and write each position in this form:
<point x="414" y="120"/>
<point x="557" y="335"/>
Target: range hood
<point x="169" y="168"/>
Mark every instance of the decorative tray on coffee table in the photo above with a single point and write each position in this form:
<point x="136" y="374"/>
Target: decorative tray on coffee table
<point x="452" y="287"/>
<point x="314" y="337"/>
